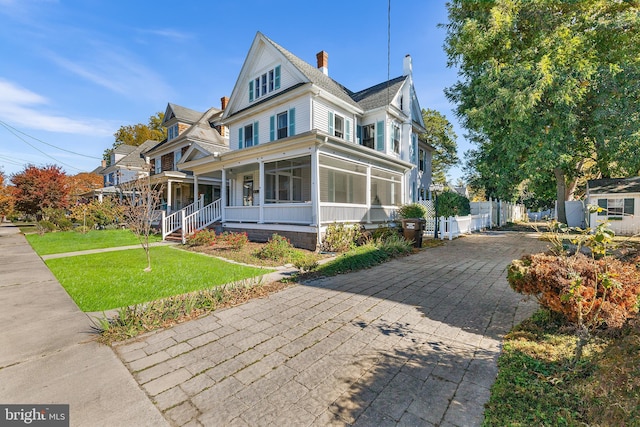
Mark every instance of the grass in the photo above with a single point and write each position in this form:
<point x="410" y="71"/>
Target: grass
<point x="70" y="241"/>
<point x="110" y="280"/>
<point x="536" y="384"/>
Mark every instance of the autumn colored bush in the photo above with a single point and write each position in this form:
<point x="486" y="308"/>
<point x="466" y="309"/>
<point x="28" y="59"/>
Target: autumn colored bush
<point x="202" y="238"/>
<point x="602" y="291"/>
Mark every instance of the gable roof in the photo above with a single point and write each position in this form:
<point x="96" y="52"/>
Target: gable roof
<point x="182" y="114"/>
<point x="200" y="131"/>
<point x="314" y="75"/>
<point x="614" y="185"/>
<point x="379" y="95"/>
<point x="133" y="160"/>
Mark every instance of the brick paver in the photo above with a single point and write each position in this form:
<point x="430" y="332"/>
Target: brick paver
<point x="410" y="342"/>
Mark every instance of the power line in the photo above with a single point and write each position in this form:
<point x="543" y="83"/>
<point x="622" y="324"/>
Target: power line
<point x="36" y="148"/>
<point x="15" y="162"/>
<point x="8" y="126"/>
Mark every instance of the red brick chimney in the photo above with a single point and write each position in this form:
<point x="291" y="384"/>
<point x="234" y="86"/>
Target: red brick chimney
<point x="323" y="62"/>
<point x="224" y="101"/>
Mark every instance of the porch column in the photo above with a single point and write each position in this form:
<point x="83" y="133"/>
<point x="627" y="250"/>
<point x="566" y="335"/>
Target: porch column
<point x="261" y="192"/>
<point x="169" y="198"/>
<point x="315" y="189"/>
<point x="223" y="194"/>
<point x="196" y="198"/>
<point x="368" y="195"/>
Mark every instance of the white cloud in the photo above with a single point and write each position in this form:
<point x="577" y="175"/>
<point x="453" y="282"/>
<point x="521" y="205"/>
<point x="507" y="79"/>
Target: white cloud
<point x="24" y="108"/>
<point x="168" y="33"/>
<point x="116" y="71"/>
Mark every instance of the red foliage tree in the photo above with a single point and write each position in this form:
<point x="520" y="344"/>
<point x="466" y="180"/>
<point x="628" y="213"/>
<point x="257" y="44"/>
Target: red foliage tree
<point x="6" y="197"/>
<point x="40" y="188"/>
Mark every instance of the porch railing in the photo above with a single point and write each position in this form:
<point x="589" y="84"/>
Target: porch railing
<point x="286" y="213"/>
<point x="201" y="218"/>
<point x="173" y="222"/>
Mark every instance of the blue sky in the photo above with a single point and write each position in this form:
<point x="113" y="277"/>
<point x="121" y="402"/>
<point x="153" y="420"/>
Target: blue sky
<point x="74" y="71"/>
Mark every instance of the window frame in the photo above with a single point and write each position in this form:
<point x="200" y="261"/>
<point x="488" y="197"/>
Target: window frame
<point x="282" y="132"/>
<point x="247" y="142"/>
<point x="339" y="132"/>
<point x="264" y="83"/>
<point x="395" y="138"/>
<point x="372" y="138"/>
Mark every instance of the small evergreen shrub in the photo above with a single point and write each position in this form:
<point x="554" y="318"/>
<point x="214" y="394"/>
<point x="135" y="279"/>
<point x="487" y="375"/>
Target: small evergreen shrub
<point x="451" y="203"/>
<point x="412" y="210"/>
<point x="305" y="261"/>
<point x="394" y="245"/>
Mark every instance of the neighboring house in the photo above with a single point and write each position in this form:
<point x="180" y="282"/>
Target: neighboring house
<point x="126" y="164"/>
<point x="619" y="199"/>
<point x="187" y="128"/>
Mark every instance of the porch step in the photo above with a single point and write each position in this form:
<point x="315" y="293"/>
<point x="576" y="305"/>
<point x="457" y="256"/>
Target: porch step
<point x="176" y="236"/>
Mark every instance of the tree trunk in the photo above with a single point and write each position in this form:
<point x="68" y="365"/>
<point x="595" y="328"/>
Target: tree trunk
<point x="561" y="193"/>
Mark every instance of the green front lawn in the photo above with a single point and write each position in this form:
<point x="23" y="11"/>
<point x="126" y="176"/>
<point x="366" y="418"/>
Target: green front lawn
<point x="71" y="241"/>
<point x="110" y="280"/>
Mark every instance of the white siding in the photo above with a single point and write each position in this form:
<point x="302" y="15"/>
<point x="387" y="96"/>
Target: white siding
<point x="265" y="61"/>
<point x="321" y="111"/>
<point x="301" y="105"/>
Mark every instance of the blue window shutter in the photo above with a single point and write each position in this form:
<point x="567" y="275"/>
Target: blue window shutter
<point x="240" y="138"/>
<point x="380" y="136"/>
<point x="251" y="91"/>
<point x="272" y="128"/>
<point x="602" y="203"/>
<point x="628" y="206"/>
<point x="359" y="134"/>
<point x="347" y="124"/>
<point x="292" y="122"/>
<point x="277" y="72"/>
<point x="255" y="133"/>
<point x="330" y="123"/>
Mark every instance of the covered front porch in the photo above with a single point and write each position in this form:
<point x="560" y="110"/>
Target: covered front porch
<point x="304" y="184"/>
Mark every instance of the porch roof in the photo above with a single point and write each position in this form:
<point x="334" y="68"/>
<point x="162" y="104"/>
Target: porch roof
<point x="308" y="139"/>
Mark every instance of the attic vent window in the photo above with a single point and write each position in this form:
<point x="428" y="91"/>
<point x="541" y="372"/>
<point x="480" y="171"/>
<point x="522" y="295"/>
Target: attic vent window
<point x="264" y="84"/>
<point x="173" y="132"/>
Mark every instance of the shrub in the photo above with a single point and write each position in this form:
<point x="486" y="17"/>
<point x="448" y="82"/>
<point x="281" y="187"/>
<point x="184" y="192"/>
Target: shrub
<point x="412" y="210"/>
<point x="45" y="227"/>
<point x="394" y="245"/>
<point x="98" y="213"/>
<point x="233" y="240"/>
<point x="277" y="248"/>
<point x="341" y="237"/>
<point x="594" y="291"/>
<point x="202" y="238"/>
<point x="383" y="232"/>
<point x="451" y="203"/>
<point x="305" y="261"/>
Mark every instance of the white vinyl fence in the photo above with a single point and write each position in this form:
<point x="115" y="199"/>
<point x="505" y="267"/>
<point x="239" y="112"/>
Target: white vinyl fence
<point x="493" y="213"/>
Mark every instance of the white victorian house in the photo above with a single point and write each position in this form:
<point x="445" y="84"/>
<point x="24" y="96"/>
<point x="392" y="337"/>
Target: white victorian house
<point x="306" y="152"/>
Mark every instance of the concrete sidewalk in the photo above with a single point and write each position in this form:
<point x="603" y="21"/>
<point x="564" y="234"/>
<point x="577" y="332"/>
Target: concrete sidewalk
<point x="47" y="351"/>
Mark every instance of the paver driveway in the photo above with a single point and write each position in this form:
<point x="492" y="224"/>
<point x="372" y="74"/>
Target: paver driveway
<point x="410" y="342"/>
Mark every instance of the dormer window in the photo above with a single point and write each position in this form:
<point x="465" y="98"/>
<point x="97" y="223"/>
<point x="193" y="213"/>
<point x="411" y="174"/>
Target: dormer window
<point x="264" y="84"/>
<point x="172" y="132"/>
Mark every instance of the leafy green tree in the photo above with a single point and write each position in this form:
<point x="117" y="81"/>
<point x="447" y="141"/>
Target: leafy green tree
<point x="440" y="135"/>
<point x="139" y="133"/>
<point x="546" y="89"/>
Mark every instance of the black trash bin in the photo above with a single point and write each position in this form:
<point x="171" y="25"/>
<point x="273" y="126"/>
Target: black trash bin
<point x="412" y="229"/>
